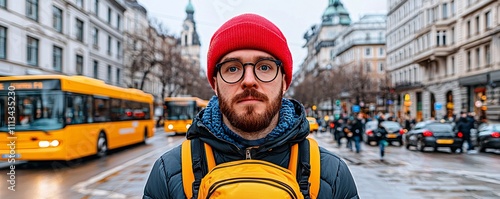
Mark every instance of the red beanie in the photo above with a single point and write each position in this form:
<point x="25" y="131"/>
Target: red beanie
<point x="248" y="31"/>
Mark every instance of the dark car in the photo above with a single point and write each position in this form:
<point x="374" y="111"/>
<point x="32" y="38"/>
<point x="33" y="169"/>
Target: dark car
<point x="488" y="137"/>
<point x="433" y="134"/>
<point x="369" y="136"/>
<point x="394" y="132"/>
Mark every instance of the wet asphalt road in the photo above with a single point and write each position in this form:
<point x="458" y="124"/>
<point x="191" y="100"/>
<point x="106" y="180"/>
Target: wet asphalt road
<point x="403" y="173"/>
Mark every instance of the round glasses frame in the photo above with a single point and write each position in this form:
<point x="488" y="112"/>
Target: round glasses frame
<point x="243" y="65"/>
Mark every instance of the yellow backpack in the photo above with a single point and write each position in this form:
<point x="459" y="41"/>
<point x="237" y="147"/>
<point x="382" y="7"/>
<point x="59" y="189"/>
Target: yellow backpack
<point x="201" y="178"/>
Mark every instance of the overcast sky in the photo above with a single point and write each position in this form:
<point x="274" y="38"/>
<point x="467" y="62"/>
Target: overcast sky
<point x="293" y="17"/>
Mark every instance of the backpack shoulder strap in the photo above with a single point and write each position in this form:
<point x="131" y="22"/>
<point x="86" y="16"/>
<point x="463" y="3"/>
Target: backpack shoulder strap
<point x="197" y="160"/>
<point x="315" y="161"/>
<point x="308" y="171"/>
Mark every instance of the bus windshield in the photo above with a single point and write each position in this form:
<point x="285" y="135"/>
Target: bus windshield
<point x="40" y="110"/>
<point x="180" y="110"/>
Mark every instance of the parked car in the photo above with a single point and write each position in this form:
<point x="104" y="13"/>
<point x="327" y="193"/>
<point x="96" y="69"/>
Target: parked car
<point x="488" y="137"/>
<point x="394" y="132"/>
<point x="369" y="136"/>
<point x="313" y="124"/>
<point x="433" y="134"/>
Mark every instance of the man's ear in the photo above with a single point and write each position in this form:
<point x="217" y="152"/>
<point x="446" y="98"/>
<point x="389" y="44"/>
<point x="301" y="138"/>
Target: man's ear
<point x="283" y="84"/>
<point x="215" y="85"/>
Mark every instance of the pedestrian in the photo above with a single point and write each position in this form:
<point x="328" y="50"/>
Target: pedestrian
<point x="381" y="137"/>
<point x="464" y="126"/>
<point x="357" y="129"/>
<point x="249" y="66"/>
<point x="339" y="131"/>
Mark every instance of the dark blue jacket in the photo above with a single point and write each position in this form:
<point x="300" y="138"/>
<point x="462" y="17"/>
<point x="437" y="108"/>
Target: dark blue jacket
<point x="165" y="179"/>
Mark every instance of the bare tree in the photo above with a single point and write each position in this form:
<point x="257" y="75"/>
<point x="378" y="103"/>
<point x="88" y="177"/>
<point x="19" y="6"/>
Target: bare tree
<point x="142" y="55"/>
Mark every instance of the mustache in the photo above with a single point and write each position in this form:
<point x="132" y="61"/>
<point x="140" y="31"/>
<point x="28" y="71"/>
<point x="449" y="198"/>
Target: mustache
<point x="250" y="93"/>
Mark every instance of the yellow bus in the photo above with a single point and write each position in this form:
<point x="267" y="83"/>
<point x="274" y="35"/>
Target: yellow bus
<point x="180" y="111"/>
<point x="56" y="117"/>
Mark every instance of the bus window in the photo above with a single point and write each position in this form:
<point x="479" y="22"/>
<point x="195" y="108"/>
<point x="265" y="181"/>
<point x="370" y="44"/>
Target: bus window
<point x="88" y="107"/>
<point x="75" y="113"/>
<point x="101" y="110"/>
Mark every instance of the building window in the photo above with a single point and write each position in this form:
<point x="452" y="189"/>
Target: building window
<point x="79" y="65"/>
<point x="109" y="45"/>
<point x="109" y="73"/>
<point x="118" y="21"/>
<point x="452" y="65"/>
<point x="57" y="22"/>
<point x="57" y="58"/>
<point x="477" y="25"/>
<point x="452" y="35"/>
<point x="367" y="51"/>
<point x="32" y="9"/>
<point x="32" y="55"/>
<point x="381" y="67"/>
<point x="368" y="67"/>
<point x="79" y="3"/>
<point x="487" y="54"/>
<point x="445" y="10"/>
<point x="118" y="49"/>
<point x="487" y="20"/>
<point x="3" y="3"/>
<point x="469" y="29"/>
<point x="96" y="69"/>
<point x="3" y="42"/>
<point x="79" y="30"/>
<point x="443" y="34"/>
<point x="118" y="75"/>
<point x="478" y="57"/>
<point x="96" y="7"/>
<point x="381" y="51"/>
<point x="469" y="60"/>
<point x="109" y="15"/>
<point x="452" y="7"/>
<point x="95" y="38"/>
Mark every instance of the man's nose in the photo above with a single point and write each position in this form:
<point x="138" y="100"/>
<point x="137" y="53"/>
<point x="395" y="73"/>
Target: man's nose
<point x="249" y="78"/>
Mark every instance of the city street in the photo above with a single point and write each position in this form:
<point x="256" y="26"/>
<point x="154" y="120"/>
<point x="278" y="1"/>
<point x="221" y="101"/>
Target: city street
<point x="403" y="174"/>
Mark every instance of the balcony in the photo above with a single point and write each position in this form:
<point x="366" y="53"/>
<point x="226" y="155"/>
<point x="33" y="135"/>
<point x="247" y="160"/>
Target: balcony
<point x="432" y="53"/>
<point x="406" y="85"/>
<point x="349" y="44"/>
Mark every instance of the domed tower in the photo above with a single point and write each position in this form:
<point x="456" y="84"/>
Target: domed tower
<point x="189" y="40"/>
<point x="336" y="14"/>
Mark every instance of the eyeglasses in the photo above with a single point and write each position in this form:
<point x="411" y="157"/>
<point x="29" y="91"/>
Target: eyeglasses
<point x="232" y="71"/>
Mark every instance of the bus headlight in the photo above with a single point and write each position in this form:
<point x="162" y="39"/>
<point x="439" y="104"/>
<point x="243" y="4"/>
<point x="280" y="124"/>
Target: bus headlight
<point x="170" y="126"/>
<point x="54" y="143"/>
<point x="45" y="144"/>
<point x="187" y="126"/>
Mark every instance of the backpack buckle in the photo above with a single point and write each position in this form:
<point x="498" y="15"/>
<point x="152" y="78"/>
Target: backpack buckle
<point x="196" y="187"/>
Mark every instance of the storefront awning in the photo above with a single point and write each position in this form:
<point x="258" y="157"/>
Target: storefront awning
<point x="495" y="76"/>
<point x="473" y="80"/>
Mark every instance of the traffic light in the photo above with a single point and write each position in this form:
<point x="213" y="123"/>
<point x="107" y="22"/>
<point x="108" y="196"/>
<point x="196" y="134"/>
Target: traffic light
<point x="314" y="107"/>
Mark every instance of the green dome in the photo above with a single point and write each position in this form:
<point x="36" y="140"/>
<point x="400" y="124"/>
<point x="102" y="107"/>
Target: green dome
<point x="335" y="13"/>
<point x="189" y="7"/>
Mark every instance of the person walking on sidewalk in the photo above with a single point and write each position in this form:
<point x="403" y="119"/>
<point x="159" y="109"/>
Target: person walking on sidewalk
<point x="249" y="67"/>
<point x="381" y="137"/>
<point x="465" y="125"/>
<point x="357" y="130"/>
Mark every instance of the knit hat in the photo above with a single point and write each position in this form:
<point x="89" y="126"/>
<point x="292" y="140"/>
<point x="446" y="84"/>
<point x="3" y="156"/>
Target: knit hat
<point x="248" y="31"/>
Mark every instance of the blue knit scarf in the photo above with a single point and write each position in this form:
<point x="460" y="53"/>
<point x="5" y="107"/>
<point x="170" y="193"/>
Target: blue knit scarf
<point x="212" y="119"/>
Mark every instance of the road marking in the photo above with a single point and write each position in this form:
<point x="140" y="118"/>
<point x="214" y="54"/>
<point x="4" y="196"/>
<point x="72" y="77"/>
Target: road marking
<point x="81" y="187"/>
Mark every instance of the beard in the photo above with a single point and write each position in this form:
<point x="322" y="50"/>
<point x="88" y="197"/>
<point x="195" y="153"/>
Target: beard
<point x="249" y="120"/>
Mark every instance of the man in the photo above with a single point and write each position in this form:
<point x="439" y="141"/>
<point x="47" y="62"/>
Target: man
<point x="464" y="125"/>
<point x="249" y="66"/>
<point x="357" y="131"/>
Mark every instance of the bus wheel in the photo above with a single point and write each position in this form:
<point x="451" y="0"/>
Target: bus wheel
<point x="102" y="145"/>
<point x="145" y="135"/>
